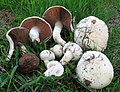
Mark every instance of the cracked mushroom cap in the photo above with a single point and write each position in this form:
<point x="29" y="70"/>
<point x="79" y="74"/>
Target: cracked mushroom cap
<point x="59" y="13"/>
<point x="45" y="30"/>
<point x="91" y="33"/>
<point x="95" y="70"/>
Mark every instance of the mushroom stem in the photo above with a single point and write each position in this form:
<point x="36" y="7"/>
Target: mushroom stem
<point x="22" y="48"/>
<point x="11" y="46"/>
<point x="34" y="34"/>
<point x="67" y="57"/>
<point x="46" y="62"/>
<point x="56" y="33"/>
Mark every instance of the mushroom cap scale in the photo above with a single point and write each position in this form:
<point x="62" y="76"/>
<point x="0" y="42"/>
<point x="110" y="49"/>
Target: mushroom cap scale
<point x="59" y="13"/>
<point x="95" y="70"/>
<point x="45" y="30"/>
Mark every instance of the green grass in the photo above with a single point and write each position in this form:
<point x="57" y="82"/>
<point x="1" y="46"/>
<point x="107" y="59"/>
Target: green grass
<point x="11" y="80"/>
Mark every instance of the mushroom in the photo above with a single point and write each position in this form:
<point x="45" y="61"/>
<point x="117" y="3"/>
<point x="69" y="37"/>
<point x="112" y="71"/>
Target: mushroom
<point x="95" y="70"/>
<point x="58" y="17"/>
<point x="15" y="35"/>
<point x="54" y="68"/>
<point x="57" y="50"/>
<point x="28" y="62"/>
<point x="40" y="30"/>
<point x="46" y="56"/>
<point x="72" y="51"/>
<point x="91" y="33"/>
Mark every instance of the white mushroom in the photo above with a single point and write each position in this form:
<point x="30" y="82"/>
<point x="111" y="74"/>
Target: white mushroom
<point x="95" y="70"/>
<point x="91" y="33"/>
<point x="58" y="17"/>
<point x="46" y="56"/>
<point x="57" y="50"/>
<point x="72" y="51"/>
<point x="54" y="68"/>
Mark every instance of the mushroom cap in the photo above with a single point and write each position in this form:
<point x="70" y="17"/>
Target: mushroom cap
<point x="59" y="13"/>
<point x="74" y="48"/>
<point x="47" y="55"/>
<point x="18" y="34"/>
<point x="95" y="70"/>
<point x="57" y="50"/>
<point x="54" y="68"/>
<point x="91" y="33"/>
<point x="28" y="63"/>
<point x="45" y="30"/>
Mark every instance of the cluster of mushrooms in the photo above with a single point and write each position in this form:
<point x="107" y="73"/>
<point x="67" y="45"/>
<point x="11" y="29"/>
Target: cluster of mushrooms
<point x="93" y="69"/>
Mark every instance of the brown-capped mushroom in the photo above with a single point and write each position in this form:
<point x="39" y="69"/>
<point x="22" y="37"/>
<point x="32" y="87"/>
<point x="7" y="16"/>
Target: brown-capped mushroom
<point x="15" y="35"/>
<point x="39" y="29"/>
<point x="58" y="17"/>
<point x="28" y="62"/>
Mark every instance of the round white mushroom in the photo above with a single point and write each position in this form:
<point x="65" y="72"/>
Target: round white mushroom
<point x="91" y="33"/>
<point x="46" y="56"/>
<point x="54" y="68"/>
<point x="95" y="70"/>
<point x="57" y="50"/>
<point x="72" y="51"/>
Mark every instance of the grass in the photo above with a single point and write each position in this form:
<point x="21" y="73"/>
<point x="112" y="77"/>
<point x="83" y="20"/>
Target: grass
<point x="11" y="80"/>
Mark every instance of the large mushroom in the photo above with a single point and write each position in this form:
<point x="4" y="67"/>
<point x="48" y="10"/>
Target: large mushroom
<point x="95" y="70"/>
<point x="15" y="35"/>
<point x="58" y="17"/>
<point x="91" y="33"/>
<point x="72" y="51"/>
<point x="39" y="29"/>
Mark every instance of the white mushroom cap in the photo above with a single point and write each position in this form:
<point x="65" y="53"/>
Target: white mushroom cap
<point x="91" y="33"/>
<point x="75" y="49"/>
<point x="94" y="69"/>
<point x="47" y="55"/>
<point x="57" y="50"/>
<point x="72" y="51"/>
<point x="54" y="68"/>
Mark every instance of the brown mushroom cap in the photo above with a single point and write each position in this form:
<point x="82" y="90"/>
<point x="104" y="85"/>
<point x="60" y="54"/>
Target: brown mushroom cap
<point x="59" y="13"/>
<point x="28" y="62"/>
<point x="19" y="34"/>
<point x="45" y="28"/>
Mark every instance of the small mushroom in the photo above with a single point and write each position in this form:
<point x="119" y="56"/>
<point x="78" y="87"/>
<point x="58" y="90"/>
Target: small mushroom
<point x="91" y="33"/>
<point x="58" y="17"/>
<point x="15" y="35"/>
<point x="46" y="56"/>
<point x="39" y="29"/>
<point x="95" y="70"/>
<point x="57" y="50"/>
<point x="72" y="51"/>
<point x="28" y="62"/>
<point x="54" y="68"/>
